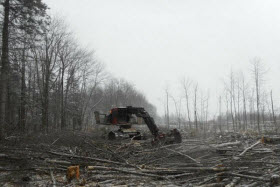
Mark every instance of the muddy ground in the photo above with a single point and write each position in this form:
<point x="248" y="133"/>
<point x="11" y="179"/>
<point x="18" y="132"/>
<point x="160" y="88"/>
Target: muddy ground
<point x="228" y="159"/>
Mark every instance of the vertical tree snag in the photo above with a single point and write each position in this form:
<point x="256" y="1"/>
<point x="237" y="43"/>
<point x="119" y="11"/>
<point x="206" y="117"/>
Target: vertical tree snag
<point x="227" y="110"/>
<point x="273" y="114"/>
<point x="244" y="102"/>
<point x="220" y="113"/>
<point x="257" y="75"/>
<point x="167" y="106"/>
<point x="232" y="101"/>
<point x="195" y="107"/>
<point x="186" y="85"/>
<point x="206" y="111"/>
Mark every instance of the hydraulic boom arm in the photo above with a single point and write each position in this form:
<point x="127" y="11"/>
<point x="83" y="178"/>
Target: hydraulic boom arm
<point x="123" y="116"/>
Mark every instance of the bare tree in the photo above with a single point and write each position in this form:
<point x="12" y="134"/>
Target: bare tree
<point x="232" y="99"/>
<point x="273" y="114"/>
<point x="258" y="74"/>
<point x="177" y="105"/>
<point x="220" y="113"/>
<point x="186" y="86"/>
<point x="244" y="98"/>
<point x="226" y="100"/>
<point x="206" y="111"/>
<point x="167" y="105"/>
<point x="195" y="106"/>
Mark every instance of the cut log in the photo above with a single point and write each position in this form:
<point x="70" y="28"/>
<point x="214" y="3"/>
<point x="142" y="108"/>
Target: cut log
<point x="227" y="144"/>
<point x="275" y="180"/>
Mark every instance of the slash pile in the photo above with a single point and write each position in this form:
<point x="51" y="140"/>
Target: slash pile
<point x="230" y="159"/>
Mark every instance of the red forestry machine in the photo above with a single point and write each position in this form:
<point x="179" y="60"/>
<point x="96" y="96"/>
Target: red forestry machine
<point x="128" y="116"/>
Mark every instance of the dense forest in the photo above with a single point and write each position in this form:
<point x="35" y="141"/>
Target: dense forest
<point x="49" y="82"/>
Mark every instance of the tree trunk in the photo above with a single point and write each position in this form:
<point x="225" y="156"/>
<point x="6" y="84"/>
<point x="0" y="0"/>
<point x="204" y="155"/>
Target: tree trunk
<point x="188" y="111"/>
<point x="220" y="113"/>
<point x="167" y="109"/>
<point x="231" y="114"/>
<point x="23" y="95"/>
<point x="273" y="115"/>
<point x="258" y="100"/>
<point x="195" y="108"/>
<point x="63" y="125"/>
<point x="4" y="68"/>
<point x="45" y="100"/>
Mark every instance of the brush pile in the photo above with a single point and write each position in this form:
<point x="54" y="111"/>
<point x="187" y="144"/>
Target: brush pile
<point x="83" y="159"/>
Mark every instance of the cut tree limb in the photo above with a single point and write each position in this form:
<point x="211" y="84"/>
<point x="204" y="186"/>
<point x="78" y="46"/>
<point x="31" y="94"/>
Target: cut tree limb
<point x="212" y="185"/>
<point x="251" y="147"/>
<point x="227" y="144"/>
<point x="234" y="182"/>
<point x="58" y="162"/>
<point x="125" y="171"/>
<point x="183" y="155"/>
<point x="88" y="158"/>
<point x="244" y="176"/>
<point x="53" y="179"/>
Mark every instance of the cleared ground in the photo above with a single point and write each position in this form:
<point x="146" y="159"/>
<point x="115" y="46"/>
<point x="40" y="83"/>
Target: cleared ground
<point x="231" y="159"/>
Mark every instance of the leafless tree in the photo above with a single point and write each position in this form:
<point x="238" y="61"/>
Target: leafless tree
<point x="186" y="86"/>
<point x="258" y="73"/>
<point x="244" y="98"/>
<point x="177" y="105"/>
<point x="220" y="113"/>
<point x="273" y="113"/>
<point x="195" y="106"/>
<point x="167" y="105"/>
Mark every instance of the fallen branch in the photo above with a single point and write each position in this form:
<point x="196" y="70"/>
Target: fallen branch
<point x="208" y="169"/>
<point x="212" y="185"/>
<point x="183" y="155"/>
<point x="124" y="171"/>
<point x="55" y="141"/>
<point x="58" y="162"/>
<point x="233" y="182"/>
<point x="53" y="179"/>
<point x="227" y="144"/>
<point x="251" y="147"/>
<point x="244" y="176"/>
<point x="88" y="158"/>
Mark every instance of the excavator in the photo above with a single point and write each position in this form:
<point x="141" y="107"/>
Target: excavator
<point x="125" y="117"/>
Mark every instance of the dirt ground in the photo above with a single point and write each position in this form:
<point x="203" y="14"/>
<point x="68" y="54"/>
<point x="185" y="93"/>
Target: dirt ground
<point x="229" y="159"/>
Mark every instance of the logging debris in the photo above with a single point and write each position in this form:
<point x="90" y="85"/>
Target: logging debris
<point x="85" y="159"/>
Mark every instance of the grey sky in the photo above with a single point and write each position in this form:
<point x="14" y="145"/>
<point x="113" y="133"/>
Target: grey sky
<point x="156" y="42"/>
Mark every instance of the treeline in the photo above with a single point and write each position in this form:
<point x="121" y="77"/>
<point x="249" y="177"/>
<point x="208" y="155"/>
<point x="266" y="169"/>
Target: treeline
<point x="48" y="81"/>
<point x="245" y="102"/>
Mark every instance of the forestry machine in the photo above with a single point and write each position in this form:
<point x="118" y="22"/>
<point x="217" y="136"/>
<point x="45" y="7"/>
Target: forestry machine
<point x="128" y="116"/>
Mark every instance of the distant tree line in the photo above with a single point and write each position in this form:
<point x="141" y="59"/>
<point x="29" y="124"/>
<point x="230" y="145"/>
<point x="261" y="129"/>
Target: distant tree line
<point x="244" y="103"/>
<point x="48" y="82"/>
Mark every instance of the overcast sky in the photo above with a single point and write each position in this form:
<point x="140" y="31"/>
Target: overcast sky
<point x="154" y="43"/>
